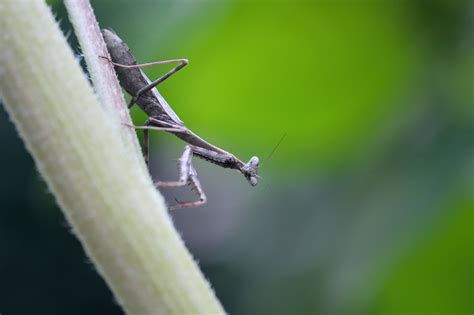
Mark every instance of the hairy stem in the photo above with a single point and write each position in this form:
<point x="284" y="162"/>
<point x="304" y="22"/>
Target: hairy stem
<point x="101" y="186"/>
<point x="101" y="71"/>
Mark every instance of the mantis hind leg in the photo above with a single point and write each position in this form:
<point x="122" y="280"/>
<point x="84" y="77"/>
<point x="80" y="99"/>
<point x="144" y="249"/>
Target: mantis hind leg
<point x="182" y="64"/>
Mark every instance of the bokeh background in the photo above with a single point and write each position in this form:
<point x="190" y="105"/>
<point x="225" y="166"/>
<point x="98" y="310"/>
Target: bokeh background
<point x="366" y="207"/>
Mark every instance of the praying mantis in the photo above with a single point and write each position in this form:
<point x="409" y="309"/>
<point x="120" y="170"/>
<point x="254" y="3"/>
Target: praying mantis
<point x="161" y="117"/>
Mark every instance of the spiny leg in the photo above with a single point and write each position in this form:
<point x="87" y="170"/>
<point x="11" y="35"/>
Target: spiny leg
<point x="187" y="174"/>
<point x="184" y="165"/>
<point x="196" y="186"/>
<point x="182" y="63"/>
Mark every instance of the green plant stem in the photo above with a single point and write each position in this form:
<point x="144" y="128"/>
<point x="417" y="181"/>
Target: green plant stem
<point x="101" y="71"/>
<point x="104" y="191"/>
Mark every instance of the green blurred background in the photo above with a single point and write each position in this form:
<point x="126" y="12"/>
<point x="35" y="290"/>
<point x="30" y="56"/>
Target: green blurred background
<point x="366" y="207"/>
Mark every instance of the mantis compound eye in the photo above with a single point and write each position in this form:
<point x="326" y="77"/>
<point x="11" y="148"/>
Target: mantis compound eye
<point x="254" y="162"/>
<point x="251" y="169"/>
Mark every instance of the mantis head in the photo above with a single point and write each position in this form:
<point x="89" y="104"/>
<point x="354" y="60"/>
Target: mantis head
<point x="250" y="170"/>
